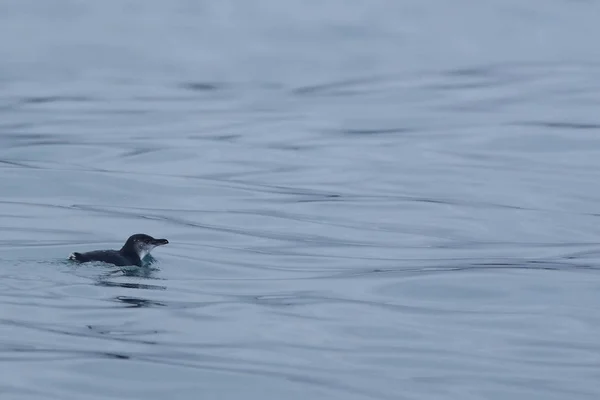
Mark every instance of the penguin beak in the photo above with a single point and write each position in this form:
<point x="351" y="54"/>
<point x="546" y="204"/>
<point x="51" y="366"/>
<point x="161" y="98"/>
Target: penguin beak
<point x="160" y="242"/>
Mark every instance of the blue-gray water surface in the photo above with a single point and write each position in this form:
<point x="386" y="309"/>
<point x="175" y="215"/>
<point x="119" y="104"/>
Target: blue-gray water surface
<point x="371" y="199"/>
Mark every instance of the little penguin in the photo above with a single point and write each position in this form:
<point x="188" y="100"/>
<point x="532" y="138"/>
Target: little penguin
<point x="133" y="251"/>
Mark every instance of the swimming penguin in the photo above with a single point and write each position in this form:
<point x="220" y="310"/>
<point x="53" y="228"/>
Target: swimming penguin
<point x="133" y="251"/>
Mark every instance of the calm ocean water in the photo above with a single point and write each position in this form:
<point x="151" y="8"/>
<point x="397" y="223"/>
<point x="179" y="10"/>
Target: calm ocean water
<point x="374" y="199"/>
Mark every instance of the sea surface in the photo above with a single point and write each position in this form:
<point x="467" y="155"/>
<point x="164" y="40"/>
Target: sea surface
<point x="369" y="199"/>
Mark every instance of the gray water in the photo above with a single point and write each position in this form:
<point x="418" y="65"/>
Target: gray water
<point x="370" y="199"/>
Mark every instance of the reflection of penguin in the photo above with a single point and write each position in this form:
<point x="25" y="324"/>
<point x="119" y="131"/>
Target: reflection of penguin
<point x="133" y="252"/>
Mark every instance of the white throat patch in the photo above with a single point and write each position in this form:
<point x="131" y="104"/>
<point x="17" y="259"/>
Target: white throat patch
<point x="143" y="250"/>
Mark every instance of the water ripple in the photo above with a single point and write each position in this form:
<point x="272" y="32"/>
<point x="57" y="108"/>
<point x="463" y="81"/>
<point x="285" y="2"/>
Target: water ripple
<point x="368" y="200"/>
